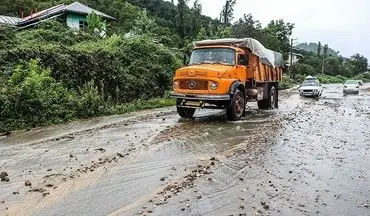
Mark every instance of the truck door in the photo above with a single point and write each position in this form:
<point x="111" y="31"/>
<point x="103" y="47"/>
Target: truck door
<point x="241" y="69"/>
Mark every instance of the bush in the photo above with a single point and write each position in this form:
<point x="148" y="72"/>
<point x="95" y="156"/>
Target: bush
<point x="326" y="79"/>
<point x="286" y="83"/>
<point x="303" y="69"/>
<point x="89" y="102"/>
<point x="126" y="69"/>
<point x="78" y="75"/>
<point x="32" y="97"/>
<point x="365" y="77"/>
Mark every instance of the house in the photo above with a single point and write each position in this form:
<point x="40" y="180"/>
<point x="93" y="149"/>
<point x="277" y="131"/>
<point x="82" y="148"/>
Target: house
<point x="73" y="15"/>
<point x="294" y="56"/>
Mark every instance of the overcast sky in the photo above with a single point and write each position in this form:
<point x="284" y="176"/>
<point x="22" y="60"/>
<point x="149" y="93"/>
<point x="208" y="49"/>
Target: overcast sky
<point x="343" y="24"/>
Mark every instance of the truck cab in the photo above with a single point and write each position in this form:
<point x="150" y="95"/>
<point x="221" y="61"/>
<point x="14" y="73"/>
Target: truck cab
<point x="222" y="76"/>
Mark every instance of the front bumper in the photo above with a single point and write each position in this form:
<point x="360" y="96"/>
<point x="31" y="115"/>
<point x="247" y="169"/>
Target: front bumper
<point x="353" y="91"/>
<point x="308" y="93"/>
<point x="200" y="97"/>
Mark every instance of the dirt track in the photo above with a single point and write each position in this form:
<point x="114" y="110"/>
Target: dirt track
<point x="310" y="157"/>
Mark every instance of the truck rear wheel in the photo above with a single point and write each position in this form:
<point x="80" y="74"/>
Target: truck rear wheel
<point x="184" y="112"/>
<point x="272" y="100"/>
<point x="237" y="106"/>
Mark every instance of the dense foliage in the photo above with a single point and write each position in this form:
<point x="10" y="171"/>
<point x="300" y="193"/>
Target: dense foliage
<point x="76" y="74"/>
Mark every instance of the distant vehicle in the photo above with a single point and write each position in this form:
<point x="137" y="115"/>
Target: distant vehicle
<point x="360" y="83"/>
<point x="311" y="78"/>
<point x="351" y="86"/>
<point x="310" y="88"/>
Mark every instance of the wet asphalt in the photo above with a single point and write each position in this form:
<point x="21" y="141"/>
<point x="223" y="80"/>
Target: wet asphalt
<point x="309" y="157"/>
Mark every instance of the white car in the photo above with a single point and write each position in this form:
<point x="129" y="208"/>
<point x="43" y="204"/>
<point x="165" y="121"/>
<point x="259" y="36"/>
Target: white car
<point x="310" y="88"/>
<point x="311" y="78"/>
<point x="351" y="86"/>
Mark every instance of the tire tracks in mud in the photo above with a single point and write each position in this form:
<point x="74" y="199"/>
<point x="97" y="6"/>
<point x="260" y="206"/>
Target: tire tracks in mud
<point x="41" y="195"/>
<point x="204" y="139"/>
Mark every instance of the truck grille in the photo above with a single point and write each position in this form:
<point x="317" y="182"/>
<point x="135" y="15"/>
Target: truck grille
<point x="307" y="90"/>
<point x="194" y="84"/>
<point x="193" y="74"/>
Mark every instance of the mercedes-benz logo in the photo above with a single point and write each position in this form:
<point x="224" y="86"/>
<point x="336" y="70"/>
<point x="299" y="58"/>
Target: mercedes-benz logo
<point x="192" y="84"/>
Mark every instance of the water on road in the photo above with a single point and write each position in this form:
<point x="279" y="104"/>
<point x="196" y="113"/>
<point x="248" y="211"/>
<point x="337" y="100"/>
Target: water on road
<point x="310" y="157"/>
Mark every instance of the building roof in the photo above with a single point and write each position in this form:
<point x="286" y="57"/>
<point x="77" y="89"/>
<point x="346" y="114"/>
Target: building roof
<point x="77" y="7"/>
<point x="56" y="11"/>
<point x="7" y="20"/>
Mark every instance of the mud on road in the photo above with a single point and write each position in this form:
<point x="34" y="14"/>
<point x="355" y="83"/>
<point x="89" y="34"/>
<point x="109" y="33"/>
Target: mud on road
<point x="310" y="157"/>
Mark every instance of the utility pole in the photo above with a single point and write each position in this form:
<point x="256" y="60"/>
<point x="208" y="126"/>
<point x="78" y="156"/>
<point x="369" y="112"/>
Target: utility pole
<point x="291" y="56"/>
<point x="291" y="52"/>
<point x="323" y="64"/>
<point x="323" y="58"/>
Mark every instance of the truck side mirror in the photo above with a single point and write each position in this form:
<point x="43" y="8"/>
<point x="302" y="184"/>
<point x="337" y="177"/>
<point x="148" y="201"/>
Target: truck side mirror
<point x="185" y="59"/>
<point x="242" y="60"/>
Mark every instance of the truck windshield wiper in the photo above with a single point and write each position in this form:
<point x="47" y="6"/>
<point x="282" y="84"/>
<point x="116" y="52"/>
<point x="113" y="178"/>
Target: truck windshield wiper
<point x="210" y="62"/>
<point x="203" y="62"/>
<point x="223" y="63"/>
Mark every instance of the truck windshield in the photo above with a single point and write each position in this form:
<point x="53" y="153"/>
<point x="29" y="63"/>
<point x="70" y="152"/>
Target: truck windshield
<point x="213" y="56"/>
<point x="310" y="83"/>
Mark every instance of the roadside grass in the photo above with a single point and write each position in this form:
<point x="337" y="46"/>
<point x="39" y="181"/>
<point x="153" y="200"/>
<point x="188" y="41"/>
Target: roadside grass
<point x="105" y="110"/>
<point x="327" y="79"/>
<point x="140" y="105"/>
<point x="287" y="83"/>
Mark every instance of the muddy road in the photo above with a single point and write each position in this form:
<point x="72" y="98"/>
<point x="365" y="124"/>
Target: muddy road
<point x="310" y="157"/>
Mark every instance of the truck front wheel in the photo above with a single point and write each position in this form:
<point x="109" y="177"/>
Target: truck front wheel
<point x="237" y="106"/>
<point x="184" y="112"/>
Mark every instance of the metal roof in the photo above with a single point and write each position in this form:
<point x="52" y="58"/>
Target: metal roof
<point x="7" y="20"/>
<point x="45" y="13"/>
<point x="77" y="7"/>
<point x="58" y="10"/>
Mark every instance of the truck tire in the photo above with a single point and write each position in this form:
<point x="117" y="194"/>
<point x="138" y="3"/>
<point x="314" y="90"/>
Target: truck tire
<point x="184" y="112"/>
<point x="271" y="102"/>
<point x="237" y="106"/>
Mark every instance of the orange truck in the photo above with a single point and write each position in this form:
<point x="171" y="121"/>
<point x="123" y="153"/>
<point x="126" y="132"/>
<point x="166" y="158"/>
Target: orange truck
<point x="226" y="74"/>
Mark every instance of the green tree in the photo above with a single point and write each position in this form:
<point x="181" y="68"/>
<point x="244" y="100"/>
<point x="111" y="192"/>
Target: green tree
<point x="96" y="24"/>
<point x="277" y="34"/>
<point x="319" y="49"/>
<point x="181" y="18"/>
<point x="227" y="13"/>
<point x="359" y="63"/>
<point x="196" y="18"/>
<point x="143" y="24"/>
<point x="325" y="53"/>
<point x="17" y="7"/>
<point x="247" y="27"/>
<point x="7" y="37"/>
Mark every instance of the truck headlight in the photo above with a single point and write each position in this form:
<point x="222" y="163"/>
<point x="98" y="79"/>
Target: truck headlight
<point x="213" y="85"/>
<point x="175" y="85"/>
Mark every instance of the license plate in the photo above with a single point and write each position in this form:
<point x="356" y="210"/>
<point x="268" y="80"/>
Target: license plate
<point x="193" y="103"/>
